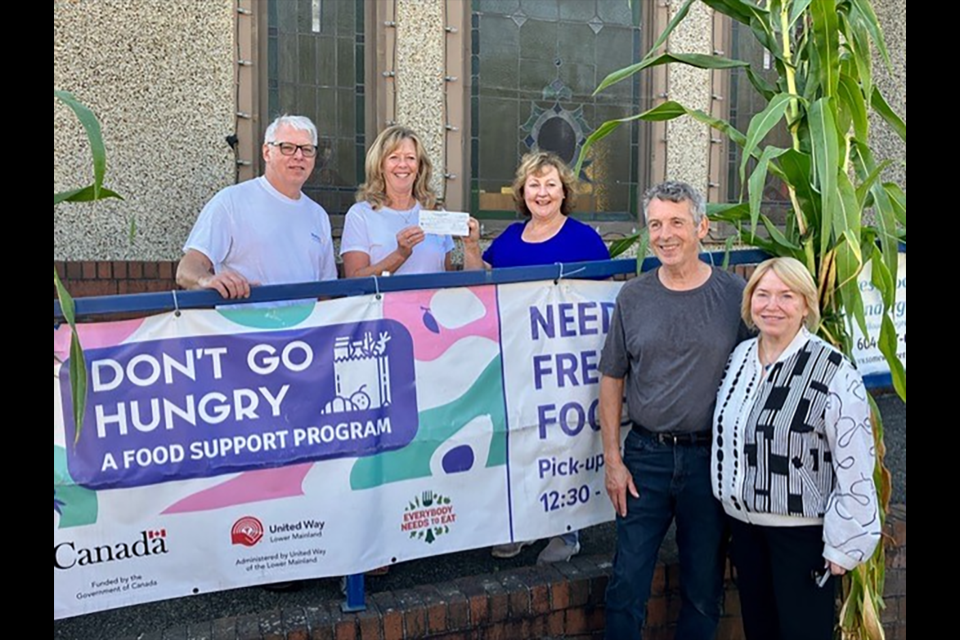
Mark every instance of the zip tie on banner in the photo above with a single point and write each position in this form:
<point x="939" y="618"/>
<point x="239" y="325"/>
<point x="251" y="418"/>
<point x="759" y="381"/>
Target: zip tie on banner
<point x="376" y="286"/>
<point x="176" y="303"/>
<point x="563" y="275"/>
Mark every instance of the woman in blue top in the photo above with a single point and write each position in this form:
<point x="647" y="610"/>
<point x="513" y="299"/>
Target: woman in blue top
<point x="543" y="191"/>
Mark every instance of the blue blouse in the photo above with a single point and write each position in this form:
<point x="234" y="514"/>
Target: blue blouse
<point x="575" y="242"/>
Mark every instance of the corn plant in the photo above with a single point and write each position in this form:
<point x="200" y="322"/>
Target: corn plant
<point x="93" y="191"/>
<point x="822" y="52"/>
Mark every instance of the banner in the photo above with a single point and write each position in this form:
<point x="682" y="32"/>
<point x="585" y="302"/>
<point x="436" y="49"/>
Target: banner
<point x="235" y="447"/>
<point x="865" y="351"/>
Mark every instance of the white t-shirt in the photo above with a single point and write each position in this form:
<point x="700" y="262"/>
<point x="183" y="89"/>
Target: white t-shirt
<point x="256" y="231"/>
<point x="374" y="232"/>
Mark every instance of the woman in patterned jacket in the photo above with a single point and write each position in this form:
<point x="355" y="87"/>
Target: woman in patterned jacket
<point x="793" y="457"/>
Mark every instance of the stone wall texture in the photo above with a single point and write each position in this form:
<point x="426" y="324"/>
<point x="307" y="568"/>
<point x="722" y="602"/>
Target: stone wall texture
<point x="160" y="78"/>
<point x="420" y="84"/>
<point x="688" y="141"/>
<point x="893" y="83"/>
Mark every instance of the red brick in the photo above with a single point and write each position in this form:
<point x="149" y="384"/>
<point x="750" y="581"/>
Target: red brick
<point x="537" y="627"/>
<point x="903" y="609"/>
<point x="499" y="601"/>
<point x="497" y="632"/>
<point x="135" y="270"/>
<point x="555" y="623"/>
<point x="576" y="621"/>
<point x="61" y="268"/>
<point x="899" y="558"/>
<point x="151" y="270"/>
<point x="560" y="595"/>
<point x="598" y="590"/>
<point x="346" y="629"/>
<point x="891" y="612"/>
<point x="458" y="612"/>
<point x="896" y="583"/>
<point x="369" y="623"/>
<point x="165" y="270"/>
<point x="104" y="272"/>
<point x="579" y="592"/>
<point x="539" y="599"/>
<point x="298" y="634"/>
<point x="479" y="610"/>
<point x="119" y="269"/>
<point x="74" y="270"/>
<point x="596" y="619"/>
<point x="414" y="614"/>
<point x="88" y="269"/>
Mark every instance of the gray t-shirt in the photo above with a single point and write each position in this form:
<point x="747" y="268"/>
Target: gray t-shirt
<point x="672" y="347"/>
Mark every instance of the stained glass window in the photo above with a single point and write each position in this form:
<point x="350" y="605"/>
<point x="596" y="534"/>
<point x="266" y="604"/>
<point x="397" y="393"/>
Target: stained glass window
<point x="315" y="67"/>
<point x="534" y="67"/>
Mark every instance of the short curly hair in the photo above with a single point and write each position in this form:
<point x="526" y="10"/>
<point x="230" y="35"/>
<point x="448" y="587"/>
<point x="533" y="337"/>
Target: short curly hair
<point x="535" y="164"/>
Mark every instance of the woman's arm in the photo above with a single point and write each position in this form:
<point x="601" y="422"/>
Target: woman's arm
<point x="356" y="264"/>
<point x="851" y="524"/>
<point x="472" y="256"/>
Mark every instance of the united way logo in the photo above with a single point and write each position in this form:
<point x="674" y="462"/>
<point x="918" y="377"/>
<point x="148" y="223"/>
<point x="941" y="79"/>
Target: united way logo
<point x="247" y="531"/>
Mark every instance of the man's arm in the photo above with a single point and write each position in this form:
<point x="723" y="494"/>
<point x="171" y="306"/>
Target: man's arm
<point x="617" y="476"/>
<point x="195" y="271"/>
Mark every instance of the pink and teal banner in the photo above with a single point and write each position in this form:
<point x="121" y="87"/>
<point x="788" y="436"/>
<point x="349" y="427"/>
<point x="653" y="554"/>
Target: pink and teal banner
<point x="234" y="447"/>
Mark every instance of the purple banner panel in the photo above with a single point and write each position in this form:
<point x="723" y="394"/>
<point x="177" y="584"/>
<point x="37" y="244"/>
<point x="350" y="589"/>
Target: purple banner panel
<point x="205" y="406"/>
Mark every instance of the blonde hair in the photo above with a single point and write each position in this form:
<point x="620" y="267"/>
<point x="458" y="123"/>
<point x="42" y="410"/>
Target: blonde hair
<point x="374" y="190"/>
<point x="793" y="274"/>
<point x="536" y="164"/>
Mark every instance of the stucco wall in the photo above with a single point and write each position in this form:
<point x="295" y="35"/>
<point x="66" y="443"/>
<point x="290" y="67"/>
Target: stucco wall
<point x="688" y="141"/>
<point x="160" y="78"/>
<point x="420" y="64"/>
<point x="893" y="18"/>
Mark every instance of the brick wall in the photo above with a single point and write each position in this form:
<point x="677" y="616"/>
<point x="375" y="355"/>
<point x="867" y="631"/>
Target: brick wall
<point x="103" y="278"/>
<point x="559" y="601"/>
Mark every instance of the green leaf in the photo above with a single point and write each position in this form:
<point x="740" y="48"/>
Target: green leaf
<point x="666" y="111"/>
<point x="799" y="6"/>
<point x="677" y="19"/>
<point x="879" y="104"/>
<point x="618" y="247"/>
<point x="760" y="126"/>
<point x="888" y="347"/>
<point x="763" y="87"/>
<point x="858" y="42"/>
<point x="864" y="189"/>
<point x="758" y="180"/>
<point x="864" y="10"/>
<point x="78" y="366"/>
<point x="899" y="201"/>
<point x="642" y="246"/>
<point x="727" y="248"/>
<point x="788" y="247"/>
<point x="698" y="60"/>
<point x="739" y="10"/>
<point x="852" y="99"/>
<point x="882" y="280"/>
<point x="86" y="194"/>
<point x="796" y="166"/>
<point x="826" y="40"/>
<point x="826" y="160"/>
<point x="92" y="126"/>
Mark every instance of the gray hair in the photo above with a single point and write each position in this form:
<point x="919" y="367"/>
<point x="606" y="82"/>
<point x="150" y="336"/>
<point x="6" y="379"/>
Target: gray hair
<point x="300" y="123"/>
<point x="676" y="191"/>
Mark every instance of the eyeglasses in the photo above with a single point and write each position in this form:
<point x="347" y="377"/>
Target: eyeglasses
<point x="289" y="149"/>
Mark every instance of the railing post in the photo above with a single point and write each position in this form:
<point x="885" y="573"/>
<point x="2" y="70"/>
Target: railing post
<point x="356" y="594"/>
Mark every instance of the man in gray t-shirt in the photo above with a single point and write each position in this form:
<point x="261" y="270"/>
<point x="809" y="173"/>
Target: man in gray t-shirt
<point x="670" y="336"/>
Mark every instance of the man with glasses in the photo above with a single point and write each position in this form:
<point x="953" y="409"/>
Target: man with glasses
<point x="266" y="230"/>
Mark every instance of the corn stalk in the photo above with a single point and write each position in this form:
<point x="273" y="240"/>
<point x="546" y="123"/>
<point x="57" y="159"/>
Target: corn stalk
<point x="93" y="191"/>
<point x="822" y="51"/>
